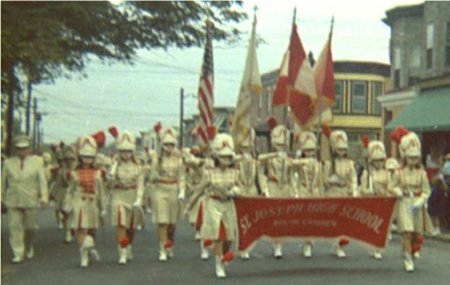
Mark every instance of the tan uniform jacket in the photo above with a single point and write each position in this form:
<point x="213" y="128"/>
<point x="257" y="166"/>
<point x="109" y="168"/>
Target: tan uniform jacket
<point x="309" y="177"/>
<point x="343" y="183"/>
<point x="23" y="182"/>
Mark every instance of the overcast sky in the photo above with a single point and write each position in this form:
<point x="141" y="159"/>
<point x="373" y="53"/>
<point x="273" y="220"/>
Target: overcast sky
<point x="136" y="97"/>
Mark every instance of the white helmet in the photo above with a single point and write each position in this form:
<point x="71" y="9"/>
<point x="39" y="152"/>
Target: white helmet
<point x="280" y="135"/>
<point x="376" y="150"/>
<point x="338" y="139"/>
<point x="391" y="164"/>
<point x="410" y="145"/>
<point x="223" y="145"/>
<point x="87" y="146"/>
<point x="126" y="141"/>
<point x="47" y="157"/>
<point x="168" y="136"/>
<point x="307" y="140"/>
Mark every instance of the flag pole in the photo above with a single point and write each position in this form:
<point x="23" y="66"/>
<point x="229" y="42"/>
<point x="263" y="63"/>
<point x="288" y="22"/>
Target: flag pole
<point x="255" y="8"/>
<point x="289" y="87"/>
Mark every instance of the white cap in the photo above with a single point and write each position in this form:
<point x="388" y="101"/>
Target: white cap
<point x="126" y="141"/>
<point x="376" y="150"/>
<point x="22" y="141"/>
<point x="391" y="164"/>
<point x="168" y="136"/>
<point x="410" y="145"/>
<point x="338" y="139"/>
<point x="223" y="145"/>
<point x="280" y="135"/>
<point x="307" y="140"/>
<point x="87" y="146"/>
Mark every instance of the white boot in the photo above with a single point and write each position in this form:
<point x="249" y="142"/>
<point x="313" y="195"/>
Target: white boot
<point x="17" y="259"/>
<point x="129" y="252"/>
<point x="245" y="255"/>
<point x="340" y="253"/>
<point x="68" y="237"/>
<point x="204" y="252"/>
<point x="122" y="255"/>
<point x="277" y="250"/>
<point x="84" y="257"/>
<point x="307" y="250"/>
<point x="30" y="253"/>
<point x="162" y="252"/>
<point x="409" y="263"/>
<point x="94" y="254"/>
<point x="197" y="235"/>
<point x="377" y="254"/>
<point x="220" y="268"/>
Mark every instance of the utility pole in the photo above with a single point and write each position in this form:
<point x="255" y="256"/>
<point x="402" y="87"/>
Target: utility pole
<point x="181" y="117"/>
<point x="35" y="123"/>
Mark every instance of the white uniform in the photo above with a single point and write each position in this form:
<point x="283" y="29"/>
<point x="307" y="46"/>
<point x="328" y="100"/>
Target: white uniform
<point x="86" y="198"/>
<point x="126" y="187"/>
<point x="24" y="187"/>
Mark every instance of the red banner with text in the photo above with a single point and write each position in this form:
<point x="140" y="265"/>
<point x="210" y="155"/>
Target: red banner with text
<point x="364" y="219"/>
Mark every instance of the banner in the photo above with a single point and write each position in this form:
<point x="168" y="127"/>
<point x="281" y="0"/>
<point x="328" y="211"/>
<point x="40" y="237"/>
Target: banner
<point x="365" y="219"/>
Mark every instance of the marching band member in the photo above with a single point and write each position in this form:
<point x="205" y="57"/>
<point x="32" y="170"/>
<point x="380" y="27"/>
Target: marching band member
<point x="310" y="176"/>
<point x="339" y="175"/>
<point x="60" y="188"/>
<point x="376" y="179"/>
<point x="414" y="185"/>
<point x="24" y="189"/>
<point x="249" y="170"/>
<point x="168" y="175"/>
<point x="219" y="186"/>
<point x="127" y="190"/>
<point x="279" y="171"/>
<point x="86" y="200"/>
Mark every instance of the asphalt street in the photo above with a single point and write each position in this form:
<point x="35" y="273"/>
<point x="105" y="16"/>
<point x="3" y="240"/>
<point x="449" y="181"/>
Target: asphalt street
<point x="56" y="262"/>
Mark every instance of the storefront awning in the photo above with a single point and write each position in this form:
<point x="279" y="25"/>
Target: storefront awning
<point x="428" y="112"/>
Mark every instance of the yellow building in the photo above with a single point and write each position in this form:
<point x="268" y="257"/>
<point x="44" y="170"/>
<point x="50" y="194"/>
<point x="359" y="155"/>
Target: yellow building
<point x="356" y="110"/>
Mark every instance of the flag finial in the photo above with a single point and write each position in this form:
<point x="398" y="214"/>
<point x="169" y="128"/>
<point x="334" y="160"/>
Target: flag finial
<point x="295" y="15"/>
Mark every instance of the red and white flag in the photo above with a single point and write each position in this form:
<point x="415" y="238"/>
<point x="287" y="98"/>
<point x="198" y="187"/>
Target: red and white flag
<point x="296" y="85"/>
<point x="325" y="84"/>
<point x="206" y="91"/>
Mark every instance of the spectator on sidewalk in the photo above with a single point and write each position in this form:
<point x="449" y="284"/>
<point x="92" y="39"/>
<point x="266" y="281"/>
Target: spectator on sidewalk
<point x="439" y="200"/>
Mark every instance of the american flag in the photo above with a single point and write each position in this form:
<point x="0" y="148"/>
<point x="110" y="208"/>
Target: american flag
<point x="206" y="91"/>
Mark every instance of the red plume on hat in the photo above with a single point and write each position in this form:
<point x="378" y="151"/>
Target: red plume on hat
<point x="212" y="132"/>
<point x="100" y="138"/>
<point x="157" y="127"/>
<point x="397" y="134"/>
<point x="365" y="140"/>
<point x="326" y="130"/>
<point x="113" y="131"/>
<point x="272" y="122"/>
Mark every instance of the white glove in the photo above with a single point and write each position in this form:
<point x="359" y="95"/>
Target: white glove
<point x="282" y="154"/>
<point x="416" y="206"/>
<point x="137" y="203"/>
<point x="334" y="179"/>
<point x="181" y="196"/>
<point x="103" y="213"/>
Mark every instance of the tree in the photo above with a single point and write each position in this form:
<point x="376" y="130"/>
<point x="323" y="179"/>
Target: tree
<point x="42" y="41"/>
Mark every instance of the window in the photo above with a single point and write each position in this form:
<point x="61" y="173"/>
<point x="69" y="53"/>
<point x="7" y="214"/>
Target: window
<point x="338" y="90"/>
<point x="397" y="61"/>
<point x="359" y="97"/>
<point x="377" y="90"/>
<point x="429" y="51"/>
<point x="414" y="59"/>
